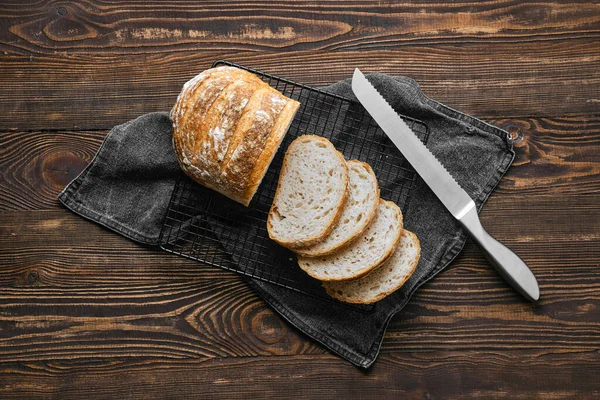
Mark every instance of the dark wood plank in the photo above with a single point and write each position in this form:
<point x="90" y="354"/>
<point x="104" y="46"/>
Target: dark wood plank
<point x="96" y="92"/>
<point x="94" y="26"/>
<point x="52" y="243"/>
<point x="129" y="301"/>
<point x="555" y="155"/>
<point x="91" y="65"/>
<point x="57" y="282"/>
<point x="458" y="374"/>
<point x="36" y="166"/>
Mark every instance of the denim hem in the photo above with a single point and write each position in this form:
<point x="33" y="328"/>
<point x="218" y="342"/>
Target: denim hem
<point x="67" y="198"/>
<point x="78" y="208"/>
<point x="327" y="341"/>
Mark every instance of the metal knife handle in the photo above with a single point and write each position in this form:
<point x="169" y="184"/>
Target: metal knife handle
<point x="507" y="263"/>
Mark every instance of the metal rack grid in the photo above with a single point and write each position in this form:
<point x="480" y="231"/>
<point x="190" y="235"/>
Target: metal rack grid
<point x="206" y="226"/>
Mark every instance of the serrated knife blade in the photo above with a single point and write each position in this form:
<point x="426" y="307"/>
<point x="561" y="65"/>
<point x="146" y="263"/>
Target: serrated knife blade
<point x="444" y="186"/>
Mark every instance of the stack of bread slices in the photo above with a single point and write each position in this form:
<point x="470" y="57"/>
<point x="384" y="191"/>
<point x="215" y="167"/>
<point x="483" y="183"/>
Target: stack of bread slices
<point x="328" y="211"/>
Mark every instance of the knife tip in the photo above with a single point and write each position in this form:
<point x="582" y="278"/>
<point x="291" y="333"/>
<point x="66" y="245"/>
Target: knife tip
<point x="536" y="294"/>
<point x="533" y="294"/>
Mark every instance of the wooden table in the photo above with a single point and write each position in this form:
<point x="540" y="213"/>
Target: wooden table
<point x="85" y="313"/>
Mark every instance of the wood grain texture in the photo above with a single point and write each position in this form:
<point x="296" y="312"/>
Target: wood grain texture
<point x="124" y="27"/>
<point x="36" y="166"/>
<point x="86" y="313"/>
<point x="134" y="58"/>
<point x="430" y="375"/>
<point x="133" y="294"/>
<point x="552" y="79"/>
<point x="553" y="155"/>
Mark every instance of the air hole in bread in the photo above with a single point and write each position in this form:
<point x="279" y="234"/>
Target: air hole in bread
<point x="277" y="215"/>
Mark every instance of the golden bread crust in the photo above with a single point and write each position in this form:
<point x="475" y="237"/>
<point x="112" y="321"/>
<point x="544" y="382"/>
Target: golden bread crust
<point x="227" y="126"/>
<point x="333" y="293"/>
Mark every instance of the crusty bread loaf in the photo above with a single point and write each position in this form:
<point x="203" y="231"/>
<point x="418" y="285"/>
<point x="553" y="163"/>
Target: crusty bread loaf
<point x="227" y="127"/>
<point x="358" y="211"/>
<point x="312" y="188"/>
<point x="385" y="279"/>
<point x="365" y="253"/>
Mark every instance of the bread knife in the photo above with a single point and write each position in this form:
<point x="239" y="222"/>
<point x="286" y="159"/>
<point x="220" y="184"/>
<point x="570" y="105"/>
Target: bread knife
<point x="445" y="187"/>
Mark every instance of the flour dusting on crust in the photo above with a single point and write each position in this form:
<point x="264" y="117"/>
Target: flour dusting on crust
<point x="227" y="125"/>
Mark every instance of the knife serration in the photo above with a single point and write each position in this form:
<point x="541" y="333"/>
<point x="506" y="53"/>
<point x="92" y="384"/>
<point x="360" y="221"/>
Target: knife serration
<point x="435" y="175"/>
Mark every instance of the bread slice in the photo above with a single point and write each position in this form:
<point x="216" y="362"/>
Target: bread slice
<point x="312" y="188"/>
<point x="368" y="251"/>
<point x="359" y="210"/>
<point x="385" y="279"/>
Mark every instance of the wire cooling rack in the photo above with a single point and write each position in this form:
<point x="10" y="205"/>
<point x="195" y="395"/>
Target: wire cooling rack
<point x="206" y="226"/>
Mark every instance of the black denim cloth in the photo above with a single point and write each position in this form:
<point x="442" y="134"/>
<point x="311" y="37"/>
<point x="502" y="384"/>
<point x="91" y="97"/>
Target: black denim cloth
<point x="128" y="184"/>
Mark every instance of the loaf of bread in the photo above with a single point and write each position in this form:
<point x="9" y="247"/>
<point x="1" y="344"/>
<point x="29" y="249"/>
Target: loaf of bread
<point x="310" y="195"/>
<point x="227" y="127"/>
